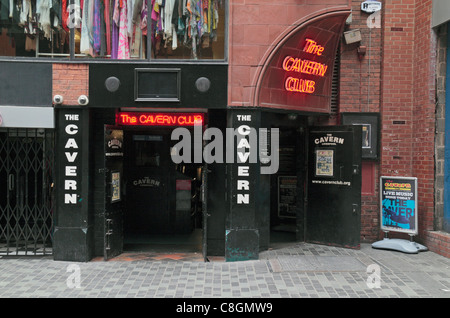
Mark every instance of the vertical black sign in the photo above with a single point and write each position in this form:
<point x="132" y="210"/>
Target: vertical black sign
<point x="69" y="150"/>
<point x="71" y="236"/>
<point x="242" y="236"/>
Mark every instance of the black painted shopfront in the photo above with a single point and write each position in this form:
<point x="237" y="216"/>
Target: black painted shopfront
<point x="118" y="174"/>
<point x="253" y="176"/>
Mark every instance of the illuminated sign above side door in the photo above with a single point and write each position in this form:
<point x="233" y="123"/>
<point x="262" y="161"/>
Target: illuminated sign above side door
<point x="298" y="74"/>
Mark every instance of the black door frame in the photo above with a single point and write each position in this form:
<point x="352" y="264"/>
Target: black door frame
<point x="108" y="224"/>
<point x="113" y="196"/>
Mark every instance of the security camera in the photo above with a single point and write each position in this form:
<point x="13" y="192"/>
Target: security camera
<point x="83" y="100"/>
<point x="58" y="99"/>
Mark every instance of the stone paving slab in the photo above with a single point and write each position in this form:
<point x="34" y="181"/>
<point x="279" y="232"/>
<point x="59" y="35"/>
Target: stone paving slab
<point x="290" y="271"/>
<point x="316" y="263"/>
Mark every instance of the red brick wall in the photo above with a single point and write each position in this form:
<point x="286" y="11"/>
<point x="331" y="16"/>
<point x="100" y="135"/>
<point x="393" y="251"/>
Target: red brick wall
<point x="397" y="88"/>
<point x="407" y="99"/>
<point x="360" y="91"/>
<point x="70" y="81"/>
<point x="408" y="106"/>
<point x="424" y="112"/>
<point x="360" y="78"/>
<point x="438" y="242"/>
<point x="401" y="77"/>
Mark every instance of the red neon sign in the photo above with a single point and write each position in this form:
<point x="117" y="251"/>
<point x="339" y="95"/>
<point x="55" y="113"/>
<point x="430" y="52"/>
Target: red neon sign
<point x="159" y="119"/>
<point x="312" y="47"/>
<point x="300" y="85"/>
<point x="304" y="66"/>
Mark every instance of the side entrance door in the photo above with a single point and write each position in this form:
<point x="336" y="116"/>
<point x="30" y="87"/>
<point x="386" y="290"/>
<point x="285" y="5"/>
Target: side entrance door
<point x="148" y="173"/>
<point x="333" y="215"/>
<point x="113" y="173"/>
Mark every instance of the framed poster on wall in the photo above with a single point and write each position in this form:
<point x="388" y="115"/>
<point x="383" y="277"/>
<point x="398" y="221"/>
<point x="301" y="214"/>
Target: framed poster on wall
<point x="369" y="123"/>
<point x="324" y="162"/>
<point x="287" y="196"/>
<point x="398" y="196"/>
<point x="115" y="186"/>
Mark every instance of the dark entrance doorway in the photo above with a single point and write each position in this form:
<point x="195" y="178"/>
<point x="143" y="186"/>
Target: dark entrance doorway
<point x="287" y="185"/>
<point x="316" y="193"/>
<point x="287" y="192"/>
<point x="162" y="200"/>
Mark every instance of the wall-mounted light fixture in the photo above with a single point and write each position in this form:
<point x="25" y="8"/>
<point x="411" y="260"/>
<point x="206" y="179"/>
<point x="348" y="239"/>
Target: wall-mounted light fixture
<point x="361" y="52"/>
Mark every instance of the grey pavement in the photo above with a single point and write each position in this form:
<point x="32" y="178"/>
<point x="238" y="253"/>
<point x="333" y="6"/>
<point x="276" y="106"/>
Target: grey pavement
<point x="296" y="270"/>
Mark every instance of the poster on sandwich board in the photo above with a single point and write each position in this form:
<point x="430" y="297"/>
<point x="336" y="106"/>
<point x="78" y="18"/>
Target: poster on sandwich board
<point x="398" y="196"/>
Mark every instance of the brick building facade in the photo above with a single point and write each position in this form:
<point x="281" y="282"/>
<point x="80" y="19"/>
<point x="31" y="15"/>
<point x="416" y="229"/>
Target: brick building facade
<point x="395" y="77"/>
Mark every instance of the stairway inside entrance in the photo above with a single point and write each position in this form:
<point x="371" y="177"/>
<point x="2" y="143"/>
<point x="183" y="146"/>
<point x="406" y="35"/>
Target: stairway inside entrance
<point x="160" y="247"/>
<point x="165" y="243"/>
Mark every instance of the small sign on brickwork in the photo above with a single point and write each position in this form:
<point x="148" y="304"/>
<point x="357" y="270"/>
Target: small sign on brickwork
<point x="371" y="6"/>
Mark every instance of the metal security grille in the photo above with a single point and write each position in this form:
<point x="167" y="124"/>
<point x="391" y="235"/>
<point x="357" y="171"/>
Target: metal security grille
<point x="26" y="191"/>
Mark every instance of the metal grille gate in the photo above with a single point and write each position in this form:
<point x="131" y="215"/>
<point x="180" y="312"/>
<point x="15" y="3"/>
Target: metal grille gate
<point x="26" y="191"/>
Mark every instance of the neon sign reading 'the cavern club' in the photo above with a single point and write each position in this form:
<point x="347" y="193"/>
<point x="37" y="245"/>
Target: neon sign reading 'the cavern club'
<point x="159" y="119"/>
<point x="304" y="66"/>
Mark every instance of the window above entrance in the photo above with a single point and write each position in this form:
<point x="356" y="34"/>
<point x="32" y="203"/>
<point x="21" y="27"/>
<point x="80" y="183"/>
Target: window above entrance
<point x="113" y="29"/>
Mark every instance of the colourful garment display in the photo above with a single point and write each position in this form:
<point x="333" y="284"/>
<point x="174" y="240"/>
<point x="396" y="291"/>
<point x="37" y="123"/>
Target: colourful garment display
<point x="118" y="29"/>
<point x="189" y="24"/>
<point x="124" y="45"/>
<point x="96" y="27"/>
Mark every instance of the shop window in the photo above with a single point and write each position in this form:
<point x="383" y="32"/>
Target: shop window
<point x="189" y="30"/>
<point x="113" y="29"/>
<point x="33" y="29"/>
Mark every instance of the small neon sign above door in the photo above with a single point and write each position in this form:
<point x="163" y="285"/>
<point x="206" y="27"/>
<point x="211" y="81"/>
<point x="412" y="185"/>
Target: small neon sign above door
<point x="159" y="119"/>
